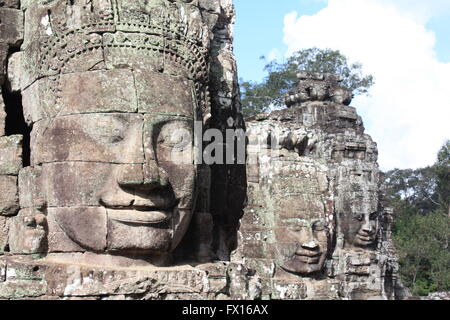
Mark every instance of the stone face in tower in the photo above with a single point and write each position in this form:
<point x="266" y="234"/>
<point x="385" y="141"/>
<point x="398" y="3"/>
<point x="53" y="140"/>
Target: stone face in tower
<point x="112" y="90"/>
<point x="105" y="84"/>
<point x="113" y="206"/>
<point x="314" y="192"/>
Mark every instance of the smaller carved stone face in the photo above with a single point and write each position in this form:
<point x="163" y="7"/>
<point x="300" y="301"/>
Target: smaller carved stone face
<point x="359" y="220"/>
<point x="294" y="204"/>
<point x="303" y="217"/>
<point x="307" y="246"/>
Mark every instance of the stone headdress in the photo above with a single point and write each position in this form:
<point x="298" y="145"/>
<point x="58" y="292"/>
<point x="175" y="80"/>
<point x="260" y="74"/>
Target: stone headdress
<point x="165" y="36"/>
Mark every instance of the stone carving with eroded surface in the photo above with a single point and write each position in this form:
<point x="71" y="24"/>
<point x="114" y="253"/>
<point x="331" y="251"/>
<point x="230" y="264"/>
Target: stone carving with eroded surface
<point x="101" y="196"/>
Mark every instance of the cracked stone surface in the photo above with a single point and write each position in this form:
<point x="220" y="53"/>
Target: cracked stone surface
<point x="113" y="207"/>
<point x="315" y="213"/>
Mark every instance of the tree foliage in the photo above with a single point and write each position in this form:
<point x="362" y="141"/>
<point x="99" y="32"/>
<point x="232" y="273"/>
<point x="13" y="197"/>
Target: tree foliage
<point x="423" y="243"/>
<point x="282" y="77"/>
<point x="442" y="170"/>
<point x="421" y="200"/>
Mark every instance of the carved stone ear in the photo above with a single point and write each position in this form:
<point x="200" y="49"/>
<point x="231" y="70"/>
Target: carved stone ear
<point x="28" y="232"/>
<point x="85" y="226"/>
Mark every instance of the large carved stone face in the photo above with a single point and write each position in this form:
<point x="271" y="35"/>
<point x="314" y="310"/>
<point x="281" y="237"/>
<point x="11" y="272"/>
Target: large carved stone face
<point x="112" y="89"/>
<point x="149" y="205"/>
<point x="359" y="219"/>
<point x="120" y="182"/>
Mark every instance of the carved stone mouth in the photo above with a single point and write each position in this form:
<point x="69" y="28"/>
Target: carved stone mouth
<point x="309" y="254"/>
<point x="367" y="239"/>
<point x="134" y="216"/>
<point x="309" y="258"/>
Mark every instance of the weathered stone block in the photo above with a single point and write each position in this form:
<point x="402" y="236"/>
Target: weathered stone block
<point x="84" y="226"/>
<point x="2" y="117"/>
<point x="253" y="220"/>
<point x="84" y="281"/>
<point x="27" y="232"/>
<point x="253" y="249"/>
<point x="2" y="271"/>
<point x="57" y="239"/>
<point x="15" y="71"/>
<point x="215" y="270"/>
<point x="288" y="290"/>
<point x="39" y="99"/>
<point x="34" y="61"/>
<point x="21" y="289"/>
<point x="4" y="228"/>
<point x="118" y="55"/>
<point x="74" y="183"/>
<point x="11" y="26"/>
<point x="38" y="17"/>
<point x="15" y="4"/>
<point x="17" y="270"/>
<point x="9" y="196"/>
<point x="263" y="267"/>
<point x="243" y="285"/>
<point x="11" y="155"/>
<point x="98" y="91"/>
<point x="210" y="5"/>
<point x="108" y="138"/>
<point x="3" y="58"/>
<point x="83" y="52"/>
<point x="172" y="95"/>
<point x="122" y="237"/>
<point x="218" y="285"/>
<point x="78" y="93"/>
<point x="31" y="189"/>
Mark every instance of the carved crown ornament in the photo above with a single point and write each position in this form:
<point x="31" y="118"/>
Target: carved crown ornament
<point x="169" y="37"/>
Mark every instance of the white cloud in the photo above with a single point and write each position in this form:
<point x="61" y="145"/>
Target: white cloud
<point x="408" y="112"/>
<point x="274" y="54"/>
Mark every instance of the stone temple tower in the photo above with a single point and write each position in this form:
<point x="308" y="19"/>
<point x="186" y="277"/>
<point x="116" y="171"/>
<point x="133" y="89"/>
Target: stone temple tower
<point x="100" y="195"/>
<point x="315" y="226"/>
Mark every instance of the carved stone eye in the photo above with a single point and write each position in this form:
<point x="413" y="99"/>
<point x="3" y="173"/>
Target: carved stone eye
<point x="117" y="139"/>
<point x="174" y="135"/>
<point x="298" y="227"/>
<point x="319" y="226"/>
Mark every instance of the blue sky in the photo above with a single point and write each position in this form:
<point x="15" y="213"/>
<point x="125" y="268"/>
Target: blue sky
<point x="440" y="24"/>
<point x="405" y="44"/>
<point x="259" y="29"/>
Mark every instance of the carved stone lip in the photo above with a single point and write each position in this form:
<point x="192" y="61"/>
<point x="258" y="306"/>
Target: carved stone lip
<point x="309" y="258"/>
<point x="308" y="254"/>
<point x="365" y="238"/>
<point x="134" y="216"/>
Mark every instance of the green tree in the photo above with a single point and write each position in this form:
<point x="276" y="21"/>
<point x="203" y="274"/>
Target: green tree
<point x="442" y="171"/>
<point x="426" y="189"/>
<point x="282" y="77"/>
<point x="423" y="247"/>
<point x="416" y="188"/>
<point x="420" y="199"/>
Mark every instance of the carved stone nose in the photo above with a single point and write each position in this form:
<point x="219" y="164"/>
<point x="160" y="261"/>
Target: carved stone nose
<point x="367" y="227"/>
<point x="142" y="176"/>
